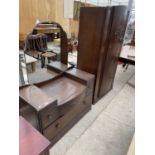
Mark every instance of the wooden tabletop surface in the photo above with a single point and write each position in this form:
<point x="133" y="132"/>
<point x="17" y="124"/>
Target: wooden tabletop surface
<point x="128" y="52"/>
<point x="63" y="89"/>
<point x="48" y="54"/>
<point x="36" y="97"/>
<point x="31" y="142"/>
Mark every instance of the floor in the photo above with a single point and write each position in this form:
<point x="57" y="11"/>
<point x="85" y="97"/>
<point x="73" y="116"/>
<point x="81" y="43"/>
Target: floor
<point x="131" y="150"/>
<point x="109" y="127"/>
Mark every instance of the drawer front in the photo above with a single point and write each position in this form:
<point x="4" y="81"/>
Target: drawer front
<point x="49" y="115"/>
<point x="59" y="124"/>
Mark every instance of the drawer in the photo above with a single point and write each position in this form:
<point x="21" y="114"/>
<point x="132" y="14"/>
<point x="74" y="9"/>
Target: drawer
<point x="61" y="123"/>
<point x="49" y="115"/>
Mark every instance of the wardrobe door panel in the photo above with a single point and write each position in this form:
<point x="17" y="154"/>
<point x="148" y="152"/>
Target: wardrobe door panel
<point x="103" y="51"/>
<point x="119" y="20"/>
<point x="90" y="35"/>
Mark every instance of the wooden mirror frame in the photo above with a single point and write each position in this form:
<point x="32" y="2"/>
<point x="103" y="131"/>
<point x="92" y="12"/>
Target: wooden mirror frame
<point x="63" y="42"/>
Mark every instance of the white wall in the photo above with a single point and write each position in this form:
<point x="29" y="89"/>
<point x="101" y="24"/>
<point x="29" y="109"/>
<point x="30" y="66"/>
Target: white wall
<point x="107" y="2"/>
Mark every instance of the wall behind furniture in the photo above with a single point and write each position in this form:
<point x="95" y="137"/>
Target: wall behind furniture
<point x="59" y="16"/>
<point x="31" y="10"/>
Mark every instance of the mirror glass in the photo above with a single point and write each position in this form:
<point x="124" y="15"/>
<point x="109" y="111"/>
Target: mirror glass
<point x="130" y="29"/>
<point x="23" y="79"/>
<point x="41" y="47"/>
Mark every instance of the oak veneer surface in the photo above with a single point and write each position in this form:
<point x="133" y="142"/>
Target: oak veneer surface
<point x="53" y="70"/>
<point x="90" y="41"/>
<point x="29" y="114"/>
<point x="60" y="124"/>
<point x="56" y="65"/>
<point x="63" y="89"/>
<point x="89" y="38"/>
<point x="41" y="75"/>
<point x="36" y="97"/>
<point x="118" y="25"/>
<point x="72" y="90"/>
<point x="79" y="73"/>
<point x="31" y="142"/>
<point x="100" y="42"/>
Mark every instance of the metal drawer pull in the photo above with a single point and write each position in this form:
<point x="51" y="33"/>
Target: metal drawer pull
<point x="57" y="125"/>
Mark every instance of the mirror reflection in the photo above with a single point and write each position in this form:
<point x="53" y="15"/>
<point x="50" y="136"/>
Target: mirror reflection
<point x="47" y="42"/>
<point x="23" y="79"/>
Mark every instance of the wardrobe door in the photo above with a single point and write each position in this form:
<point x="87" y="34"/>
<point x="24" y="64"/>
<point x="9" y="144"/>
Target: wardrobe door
<point x="93" y="31"/>
<point x="90" y="35"/>
<point x="103" y="51"/>
<point x="118" y="25"/>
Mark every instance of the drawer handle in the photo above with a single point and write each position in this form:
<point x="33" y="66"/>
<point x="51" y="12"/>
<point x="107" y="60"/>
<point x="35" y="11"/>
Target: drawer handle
<point x="57" y="125"/>
<point x="50" y="116"/>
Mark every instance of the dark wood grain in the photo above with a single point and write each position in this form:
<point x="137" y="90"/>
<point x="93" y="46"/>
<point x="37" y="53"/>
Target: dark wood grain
<point x="89" y="38"/>
<point x="64" y="89"/>
<point x="31" y="142"/>
<point x="118" y="25"/>
<point x="100" y="40"/>
<point x="81" y="74"/>
<point x="70" y="124"/>
<point x="58" y="66"/>
<point x="41" y="75"/>
<point x="36" y="97"/>
<point x="73" y="91"/>
<point x="61" y="123"/>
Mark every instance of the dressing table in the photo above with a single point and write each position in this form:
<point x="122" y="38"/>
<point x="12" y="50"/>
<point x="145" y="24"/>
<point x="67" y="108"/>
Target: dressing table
<point x="56" y="101"/>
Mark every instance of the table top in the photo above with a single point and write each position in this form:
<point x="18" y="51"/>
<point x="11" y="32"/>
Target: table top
<point x="36" y="97"/>
<point x="48" y="54"/>
<point x="29" y="59"/>
<point x="59" y="66"/>
<point x="64" y="89"/>
<point x="128" y="52"/>
<point x="41" y="75"/>
<point x="31" y="142"/>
